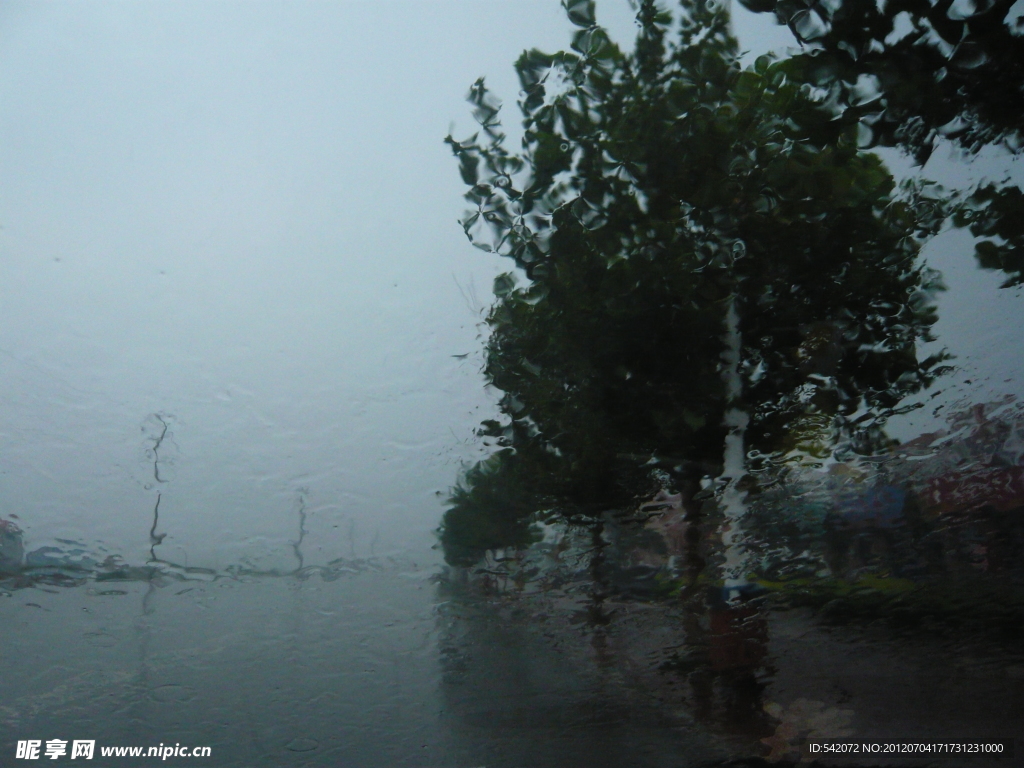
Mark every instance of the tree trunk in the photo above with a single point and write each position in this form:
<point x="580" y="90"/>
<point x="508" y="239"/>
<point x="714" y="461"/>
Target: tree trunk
<point x="735" y="421"/>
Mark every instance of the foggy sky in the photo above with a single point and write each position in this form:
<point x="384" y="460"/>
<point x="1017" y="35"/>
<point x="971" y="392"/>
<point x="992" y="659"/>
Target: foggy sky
<point x="242" y="216"/>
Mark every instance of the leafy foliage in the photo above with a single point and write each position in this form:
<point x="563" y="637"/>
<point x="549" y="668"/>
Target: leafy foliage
<point x="912" y="71"/>
<point x="653" y="191"/>
<point x="491" y="509"/>
<point x="996" y="214"/>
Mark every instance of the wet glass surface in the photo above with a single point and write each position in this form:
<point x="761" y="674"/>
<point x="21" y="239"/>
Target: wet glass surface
<point x="728" y="461"/>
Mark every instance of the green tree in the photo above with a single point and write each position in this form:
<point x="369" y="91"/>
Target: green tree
<point x="911" y="73"/>
<point x="694" y="238"/>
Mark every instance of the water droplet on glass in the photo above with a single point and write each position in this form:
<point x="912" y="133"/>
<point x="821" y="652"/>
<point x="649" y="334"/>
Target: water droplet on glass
<point x="302" y="745"/>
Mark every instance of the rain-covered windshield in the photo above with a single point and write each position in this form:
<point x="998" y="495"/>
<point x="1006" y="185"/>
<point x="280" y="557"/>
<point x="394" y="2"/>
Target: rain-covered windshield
<point x="512" y="384"/>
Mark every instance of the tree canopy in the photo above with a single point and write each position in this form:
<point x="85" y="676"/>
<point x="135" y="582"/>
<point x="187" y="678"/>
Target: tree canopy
<point x="912" y="74"/>
<point x="655" y="193"/>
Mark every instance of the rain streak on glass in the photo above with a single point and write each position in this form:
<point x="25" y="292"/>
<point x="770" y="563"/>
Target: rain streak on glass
<point x="666" y="412"/>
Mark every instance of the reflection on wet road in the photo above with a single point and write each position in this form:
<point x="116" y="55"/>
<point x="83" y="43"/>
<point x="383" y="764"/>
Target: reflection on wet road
<point x="383" y="665"/>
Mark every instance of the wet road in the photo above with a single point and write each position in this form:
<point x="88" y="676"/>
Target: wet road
<point x="381" y="666"/>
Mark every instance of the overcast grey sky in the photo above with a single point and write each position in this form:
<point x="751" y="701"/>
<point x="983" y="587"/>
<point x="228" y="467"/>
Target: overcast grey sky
<point x="243" y="216"/>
